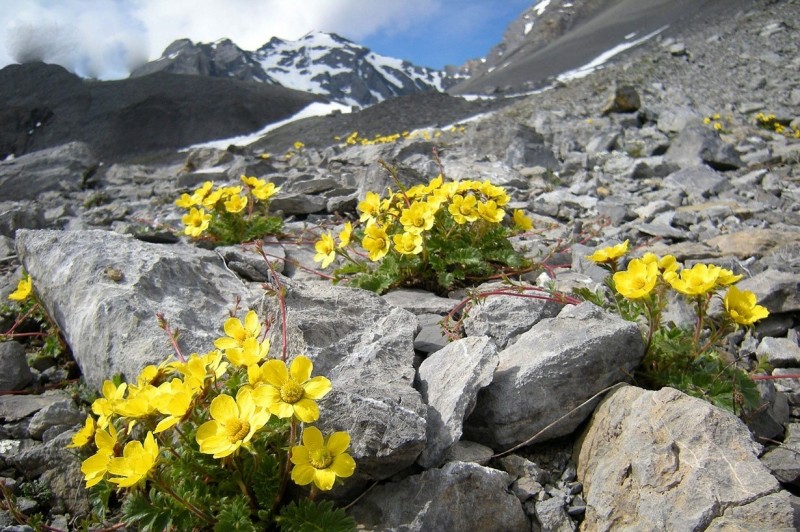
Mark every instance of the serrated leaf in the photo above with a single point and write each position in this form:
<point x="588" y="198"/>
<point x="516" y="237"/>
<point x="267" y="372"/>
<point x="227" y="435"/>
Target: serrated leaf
<point x="309" y="516"/>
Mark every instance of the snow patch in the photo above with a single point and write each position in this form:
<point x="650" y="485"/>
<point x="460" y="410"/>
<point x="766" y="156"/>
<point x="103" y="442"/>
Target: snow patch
<point x="601" y="59"/>
<point x="528" y="28"/>
<point x="541" y="6"/>
<point x="314" y="109"/>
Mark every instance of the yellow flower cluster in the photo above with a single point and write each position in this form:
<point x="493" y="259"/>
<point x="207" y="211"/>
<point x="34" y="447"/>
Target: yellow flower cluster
<point x="715" y="121"/>
<point x="207" y="203"/>
<point x="355" y="138"/>
<point x="403" y="220"/>
<point x="771" y="122"/>
<point x="181" y="392"/>
<point x="644" y="274"/>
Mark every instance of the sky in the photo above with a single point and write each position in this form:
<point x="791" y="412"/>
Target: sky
<point x="106" y="39"/>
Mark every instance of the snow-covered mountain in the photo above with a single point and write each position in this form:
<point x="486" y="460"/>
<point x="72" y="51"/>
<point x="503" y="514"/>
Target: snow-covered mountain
<point x="320" y="63"/>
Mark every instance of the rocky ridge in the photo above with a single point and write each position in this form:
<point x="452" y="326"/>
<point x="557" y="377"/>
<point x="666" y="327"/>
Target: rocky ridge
<point x="437" y="437"/>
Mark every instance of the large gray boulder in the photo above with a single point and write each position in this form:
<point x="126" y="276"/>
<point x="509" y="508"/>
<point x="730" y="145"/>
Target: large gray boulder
<point x="365" y="347"/>
<point x="449" y="382"/>
<point x="60" y="169"/>
<point x="665" y="461"/>
<point x="552" y="369"/>
<point x="459" y="496"/>
<point x="104" y="289"/>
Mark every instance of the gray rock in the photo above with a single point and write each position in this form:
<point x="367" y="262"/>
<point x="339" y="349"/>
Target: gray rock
<point x="778" y="511"/>
<point x="784" y="461"/>
<point x="553" y="516"/>
<point x="59" y="169"/>
<point x="294" y="203"/>
<point x="419" y="301"/>
<point x="247" y="262"/>
<point x="449" y="383"/>
<point x="364" y="346"/>
<point x="431" y="336"/>
<point x="767" y="421"/>
<point x="459" y="496"/>
<point x="468" y="451"/>
<point x="504" y="317"/>
<point x="58" y="413"/>
<point x="16" y="373"/>
<point x="624" y="100"/>
<point x="19" y="215"/>
<point x="780" y="352"/>
<point x="16" y="407"/>
<point x="645" y="465"/>
<point x="697" y="145"/>
<point x="545" y="375"/>
<point x="109" y="321"/>
<point x="698" y="182"/>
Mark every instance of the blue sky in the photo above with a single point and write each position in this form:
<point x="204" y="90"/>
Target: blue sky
<point x="107" y="38"/>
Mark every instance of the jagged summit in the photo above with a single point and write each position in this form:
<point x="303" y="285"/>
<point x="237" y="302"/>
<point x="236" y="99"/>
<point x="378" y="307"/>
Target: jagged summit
<point x="321" y="63"/>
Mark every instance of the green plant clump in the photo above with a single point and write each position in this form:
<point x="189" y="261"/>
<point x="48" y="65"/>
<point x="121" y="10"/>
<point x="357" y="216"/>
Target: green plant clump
<point x="437" y="236"/>
<point x="230" y="214"/>
<point x="687" y="358"/>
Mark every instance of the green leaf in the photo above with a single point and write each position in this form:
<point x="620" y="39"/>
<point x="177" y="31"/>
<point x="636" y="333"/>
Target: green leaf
<point x="235" y="517"/>
<point x="308" y="516"/>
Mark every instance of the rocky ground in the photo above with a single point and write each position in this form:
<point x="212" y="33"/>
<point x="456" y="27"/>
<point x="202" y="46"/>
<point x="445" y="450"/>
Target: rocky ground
<point x="430" y="443"/>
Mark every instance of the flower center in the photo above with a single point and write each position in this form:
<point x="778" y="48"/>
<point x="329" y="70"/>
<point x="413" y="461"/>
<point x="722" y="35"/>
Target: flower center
<point x="638" y="283"/>
<point x="291" y="392"/>
<point x="320" y="458"/>
<point x="237" y="430"/>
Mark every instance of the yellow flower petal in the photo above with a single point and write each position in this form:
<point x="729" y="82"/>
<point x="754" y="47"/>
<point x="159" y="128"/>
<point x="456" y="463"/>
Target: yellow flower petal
<point x="338" y="442"/>
<point x="324" y="479"/>
<point x="306" y="410"/>
<point x="303" y="474"/>
<point x="223" y="407"/>
<point x="317" y="387"/>
<point x="299" y="455"/>
<point x="274" y="372"/>
<point x="301" y="368"/>
<point x="343" y="465"/>
<point x="312" y="438"/>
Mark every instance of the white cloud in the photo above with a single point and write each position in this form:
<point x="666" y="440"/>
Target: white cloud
<point x="107" y="38"/>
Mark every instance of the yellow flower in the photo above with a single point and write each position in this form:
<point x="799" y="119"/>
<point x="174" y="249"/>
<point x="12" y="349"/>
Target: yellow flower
<point x="609" y="254"/>
<point x="490" y="212"/>
<point x="106" y="406"/>
<point x="697" y="281"/>
<point x="233" y="425"/>
<point x="376" y="242"/>
<point x="638" y="280"/>
<point x="417" y="218"/>
<point x="741" y="306"/>
<point x="252" y="182"/>
<point x="298" y="145"/>
<point x="135" y="463"/>
<point x="326" y="250"/>
<point x="408" y="243"/>
<point x="95" y="467"/>
<point x="24" y="289"/>
<point x="727" y="278"/>
<point x="83" y="436"/>
<point x="252" y="352"/>
<point x="138" y="403"/>
<point x="320" y="461"/>
<point x="196" y="222"/>
<point x="345" y="234"/>
<point x="238" y="332"/>
<point x="174" y="399"/>
<point x="236" y="203"/>
<point x="291" y="392"/>
<point x="265" y="192"/>
<point x="370" y="206"/>
<point x="498" y="194"/>
<point x="211" y="200"/>
<point x="186" y="201"/>
<point x="198" y="368"/>
<point x="464" y="209"/>
<point x="521" y="221"/>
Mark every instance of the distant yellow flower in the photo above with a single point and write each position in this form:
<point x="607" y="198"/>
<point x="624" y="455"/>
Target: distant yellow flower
<point x="24" y="289"/>
<point x="83" y="436"/>
<point x="741" y="306"/>
<point x="288" y="392"/>
<point x="408" y="243"/>
<point x="609" y="254"/>
<point x="376" y="242"/>
<point x="417" y="218"/>
<point x="136" y="462"/>
<point x="265" y="192"/>
<point x="234" y="422"/>
<point x="196" y="222"/>
<point x="211" y="200"/>
<point x="298" y="145"/>
<point x="106" y="406"/>
<point x="200" y="194"/>
<point x="697" y="281"/>
<point x="490" y="212"/>
<point x="370" y="206"/>
<point x="498" y="194"/>
<point x="236" y="204"/>
<point x="521" y="221"/>
<point x="198" y="368"/>
<point x="251" y="352"/>
<point x="638" y="280"/>
<point x="326" y="250"/>
<point x="464" y="209"/>
<point x="345" y="235"/>
<point x="320" y="461"/>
